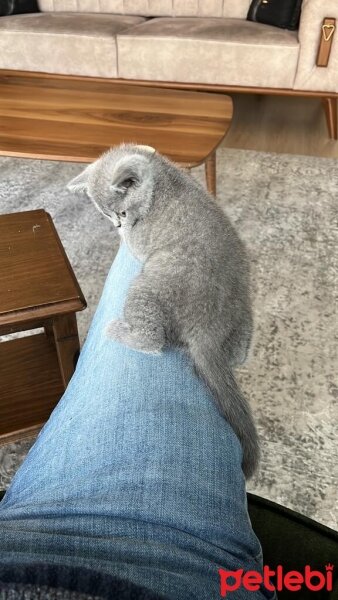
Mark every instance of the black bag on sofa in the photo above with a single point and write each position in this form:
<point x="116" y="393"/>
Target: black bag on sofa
<point x="279" y="13"/>
<point x="15" y="7"/>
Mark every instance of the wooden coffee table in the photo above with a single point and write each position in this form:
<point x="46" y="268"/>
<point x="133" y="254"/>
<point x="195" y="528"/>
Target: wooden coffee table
<point x="76" y="119"/>
<point x="38" y="289"/>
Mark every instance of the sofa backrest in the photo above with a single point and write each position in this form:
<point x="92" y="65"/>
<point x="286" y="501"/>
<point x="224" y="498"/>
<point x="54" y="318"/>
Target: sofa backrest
<point x="236" y="9"/>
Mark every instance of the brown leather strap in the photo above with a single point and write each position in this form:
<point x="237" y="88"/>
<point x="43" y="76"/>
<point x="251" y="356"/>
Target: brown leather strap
<point x="326" y="38"/>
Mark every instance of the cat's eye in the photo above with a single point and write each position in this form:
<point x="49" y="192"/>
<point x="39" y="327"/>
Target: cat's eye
<point x="123" y="213"/>
<point x="127" y="183"/>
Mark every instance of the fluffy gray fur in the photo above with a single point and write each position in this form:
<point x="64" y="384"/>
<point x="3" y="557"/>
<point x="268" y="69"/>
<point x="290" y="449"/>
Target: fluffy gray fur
<point x="193" y="290"/>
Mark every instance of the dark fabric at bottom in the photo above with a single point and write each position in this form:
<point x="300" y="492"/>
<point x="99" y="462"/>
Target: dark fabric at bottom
<point x="294" y="541"/>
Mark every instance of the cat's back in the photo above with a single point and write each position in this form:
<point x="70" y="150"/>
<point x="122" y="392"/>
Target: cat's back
<point x="195" y="246"/>
<point x="189" y="222"/>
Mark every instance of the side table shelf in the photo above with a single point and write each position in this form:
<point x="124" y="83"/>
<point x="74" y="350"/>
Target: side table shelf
<point x="31" y="385"/>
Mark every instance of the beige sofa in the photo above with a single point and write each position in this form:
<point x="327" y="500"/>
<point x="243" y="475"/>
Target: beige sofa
<point x="198" y="44"/>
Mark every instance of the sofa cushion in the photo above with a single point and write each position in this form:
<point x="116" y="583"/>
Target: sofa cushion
<point x="207" y="50"/>
<point x="69" y="44"/>
<point x="153" y="8"/>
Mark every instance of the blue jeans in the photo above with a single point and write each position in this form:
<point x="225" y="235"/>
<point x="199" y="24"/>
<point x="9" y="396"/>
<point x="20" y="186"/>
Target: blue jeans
<point x="135" y="474"/>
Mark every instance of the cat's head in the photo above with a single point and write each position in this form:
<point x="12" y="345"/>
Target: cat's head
<point x="120" y="183"/>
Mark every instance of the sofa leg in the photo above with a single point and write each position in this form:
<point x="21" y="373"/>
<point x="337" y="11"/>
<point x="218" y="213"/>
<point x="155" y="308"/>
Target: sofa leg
<point x="210" y="173"/>
<point x="330" y="107"/>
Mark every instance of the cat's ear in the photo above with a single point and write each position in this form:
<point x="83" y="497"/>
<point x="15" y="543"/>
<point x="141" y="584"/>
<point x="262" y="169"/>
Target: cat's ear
<point x="148" y="149"/>
<point x="129" y="171"/>
<point x="80" y="182"/>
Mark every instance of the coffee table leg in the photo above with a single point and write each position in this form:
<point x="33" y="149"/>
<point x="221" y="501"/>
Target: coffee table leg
<point x="67" y="345"/>
<point x="210" y="173"/>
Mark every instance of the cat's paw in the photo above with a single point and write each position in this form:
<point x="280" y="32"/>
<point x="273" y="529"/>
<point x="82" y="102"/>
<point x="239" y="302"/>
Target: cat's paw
<point x="148" y="346"/>
<point x="120" y="331"/>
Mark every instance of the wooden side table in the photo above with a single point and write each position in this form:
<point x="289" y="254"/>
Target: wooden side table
<point x="38" y="289"/>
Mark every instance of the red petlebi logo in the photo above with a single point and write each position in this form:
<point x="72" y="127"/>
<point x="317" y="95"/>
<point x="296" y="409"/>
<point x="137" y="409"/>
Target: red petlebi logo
<point x="284" y="580"/>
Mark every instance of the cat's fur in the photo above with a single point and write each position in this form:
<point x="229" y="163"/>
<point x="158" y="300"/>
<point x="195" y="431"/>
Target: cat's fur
<point x="193" y="290"/>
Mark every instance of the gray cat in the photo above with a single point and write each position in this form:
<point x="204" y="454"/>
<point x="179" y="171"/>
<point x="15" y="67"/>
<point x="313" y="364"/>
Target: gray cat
<point x="192" y="292"/>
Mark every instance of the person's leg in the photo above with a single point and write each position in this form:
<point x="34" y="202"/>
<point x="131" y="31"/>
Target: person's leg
<point x="136" y="472"/>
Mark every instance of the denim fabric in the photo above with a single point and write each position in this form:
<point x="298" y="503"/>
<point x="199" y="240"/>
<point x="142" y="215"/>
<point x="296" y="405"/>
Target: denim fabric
<point x="135" y="474"/>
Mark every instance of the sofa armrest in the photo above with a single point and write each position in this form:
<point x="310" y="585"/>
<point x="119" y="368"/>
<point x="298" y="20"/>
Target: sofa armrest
<point x="309" y="76"/>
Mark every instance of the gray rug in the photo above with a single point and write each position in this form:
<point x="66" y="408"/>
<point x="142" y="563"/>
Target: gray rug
<point x="285" y="207"/>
